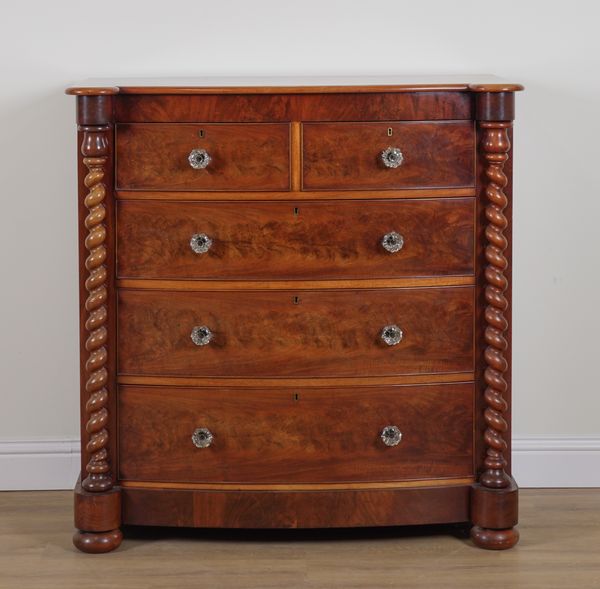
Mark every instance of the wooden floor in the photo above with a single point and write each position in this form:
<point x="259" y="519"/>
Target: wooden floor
<point x="560" y="547"/>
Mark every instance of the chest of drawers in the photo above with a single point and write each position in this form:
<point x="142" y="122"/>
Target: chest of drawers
<point x="295" y="305"/>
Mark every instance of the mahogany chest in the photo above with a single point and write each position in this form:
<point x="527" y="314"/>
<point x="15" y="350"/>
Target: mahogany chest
<point x="295" y="305"/>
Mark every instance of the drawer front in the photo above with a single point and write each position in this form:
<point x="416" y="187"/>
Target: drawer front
<point x="295" y="240"/>
<point x="296" y="436"/>
<point x="296" y="333"/>
<point x="242" y="157"/>
<point x="347" y="156"/>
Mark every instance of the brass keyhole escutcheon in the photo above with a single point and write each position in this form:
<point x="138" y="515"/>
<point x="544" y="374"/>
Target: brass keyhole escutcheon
<point x="390" y="131"/>
<point x="296" y="396"/>
<point x="296" y="211"/>
<point x="296" y="300"/>
<point x="201" y="133"/>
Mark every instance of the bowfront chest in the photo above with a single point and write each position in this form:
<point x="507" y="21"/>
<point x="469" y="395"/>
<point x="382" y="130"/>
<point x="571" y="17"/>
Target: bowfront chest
<point x="295" y="305"/>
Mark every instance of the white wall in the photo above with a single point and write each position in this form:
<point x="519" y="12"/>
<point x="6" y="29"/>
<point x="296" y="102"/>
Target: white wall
<point x="551" y="47"/>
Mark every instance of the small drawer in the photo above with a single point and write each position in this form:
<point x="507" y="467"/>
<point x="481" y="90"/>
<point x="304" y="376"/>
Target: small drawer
<point x="295" y="436"/>
<point x="362" y="156"/>
<point x="216" y="157"/>
<point x="349" y="333"/>
<point x="287" y="240"/>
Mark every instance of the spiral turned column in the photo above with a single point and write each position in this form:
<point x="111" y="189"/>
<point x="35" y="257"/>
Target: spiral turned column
<point x="495" y="148"/>
<point x="95" y="151"/>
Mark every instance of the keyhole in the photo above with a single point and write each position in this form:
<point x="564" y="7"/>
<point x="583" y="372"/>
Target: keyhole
<point x="296" y="300"/>
<point x="296" y="396"/>
<point x="296" y="211"/>
<point x="201" y="133"/>
<point x="390" y="131"/>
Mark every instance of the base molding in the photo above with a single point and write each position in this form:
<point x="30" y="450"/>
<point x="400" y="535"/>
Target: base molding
<point x="295" y="509"/>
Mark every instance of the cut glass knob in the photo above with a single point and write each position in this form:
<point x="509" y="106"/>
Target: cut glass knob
<point x="391" y="435"/>
<point x="391" y="335"/>
<point x="201" y="335"/>
<point x="200" y="243"/>
<point x="202" y="437"/>
<point x="199" y="159"/>
<point x="392" y="157"/>
<point x="392" y="242"/>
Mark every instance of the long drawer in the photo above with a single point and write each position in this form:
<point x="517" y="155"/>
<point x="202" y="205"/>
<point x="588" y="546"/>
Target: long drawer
<point x="311" y="240"/>
<point x="203" y="157"/>
<point x="359" y="156"/>
<point x="292" y="436"/>
<point x="296" y="333"/>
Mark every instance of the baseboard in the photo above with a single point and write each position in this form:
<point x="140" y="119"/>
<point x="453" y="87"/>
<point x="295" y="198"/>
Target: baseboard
<point x="538" y="461"/>
<point x="557" y="461"/>
<point x="32" y="465"/>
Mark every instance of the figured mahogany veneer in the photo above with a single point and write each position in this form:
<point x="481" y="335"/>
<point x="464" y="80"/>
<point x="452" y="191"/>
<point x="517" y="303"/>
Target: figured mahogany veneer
<point x="321" y="333"/>
<point x="285" y="240"/>
<point x="346" y="156"/>
<point x="243" y="157"/>
<point x="297" y="383"/>
<point x="269" y="108"/>
<point x="295" y="435"/>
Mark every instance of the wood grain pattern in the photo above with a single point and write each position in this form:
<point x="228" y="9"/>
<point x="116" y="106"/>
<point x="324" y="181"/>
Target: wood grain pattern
<point x="224" y="85"/>
<point x="95" y="150"/>
<point x="347" y="156"/>
<point x="264" y="108"/>
<point x="329" y="333"/>
<point x="329" y="195"/>
<point x="290" y="240"/>
<point x="216" y="285"/>
<point x="496" y="146"/>
<point x="244" y="157"/>
<point x="354" y="381"/>
<point x="296" y="383"/>
<point x="316" y="435"/>
<point x="334" y="509"/>
<point x="445" y="482"/>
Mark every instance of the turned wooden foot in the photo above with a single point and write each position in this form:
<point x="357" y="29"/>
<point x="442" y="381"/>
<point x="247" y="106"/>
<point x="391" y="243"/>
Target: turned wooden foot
<point x="494" y="513"/>
<point x="494" y="539"/>
<point x="97" y="520"/>
<point x="97" y="542"/>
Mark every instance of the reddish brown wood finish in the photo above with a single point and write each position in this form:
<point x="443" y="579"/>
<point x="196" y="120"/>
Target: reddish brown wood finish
<point x="495" y="147"/>
<point x="95" y="151"/>
<point x="97" y="542"/>
<point x="382" y="106"/>
<point x="324" y="333"/>
<point x="494" y="539"/>
<point x="291" y="240"/>
<point x="288" y="321"/>
<point x="295" y="435"/>
<point x="494" y="504"/>
<point x="97" y="512"/>
<point x="347" y="156"/>
<point x="244" y="157"/>
<point x="223" y="85"/>
<point x="288" y="509"/>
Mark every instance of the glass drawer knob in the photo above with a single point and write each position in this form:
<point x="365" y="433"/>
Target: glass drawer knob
<point x="391" y="435"/>
<point x="392" y="242"/>
<point x="392" y="157"/>
<point x="200" y="243"/>
<point x="202" y="437"/>
<point x="391" y="335"/>
<point x="201" y="335"/>
<point x="199" y="159"/>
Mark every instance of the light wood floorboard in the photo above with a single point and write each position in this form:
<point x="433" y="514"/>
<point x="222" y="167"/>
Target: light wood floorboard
<point x="560" y="548"/>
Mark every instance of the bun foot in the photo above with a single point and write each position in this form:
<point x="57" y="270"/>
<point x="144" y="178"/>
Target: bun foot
<point x="97" y="542"/>
<point x="494" y="539"/>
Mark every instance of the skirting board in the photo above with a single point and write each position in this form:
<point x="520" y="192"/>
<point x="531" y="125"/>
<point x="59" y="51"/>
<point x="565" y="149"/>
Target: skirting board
<point x="538" y="461"/>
